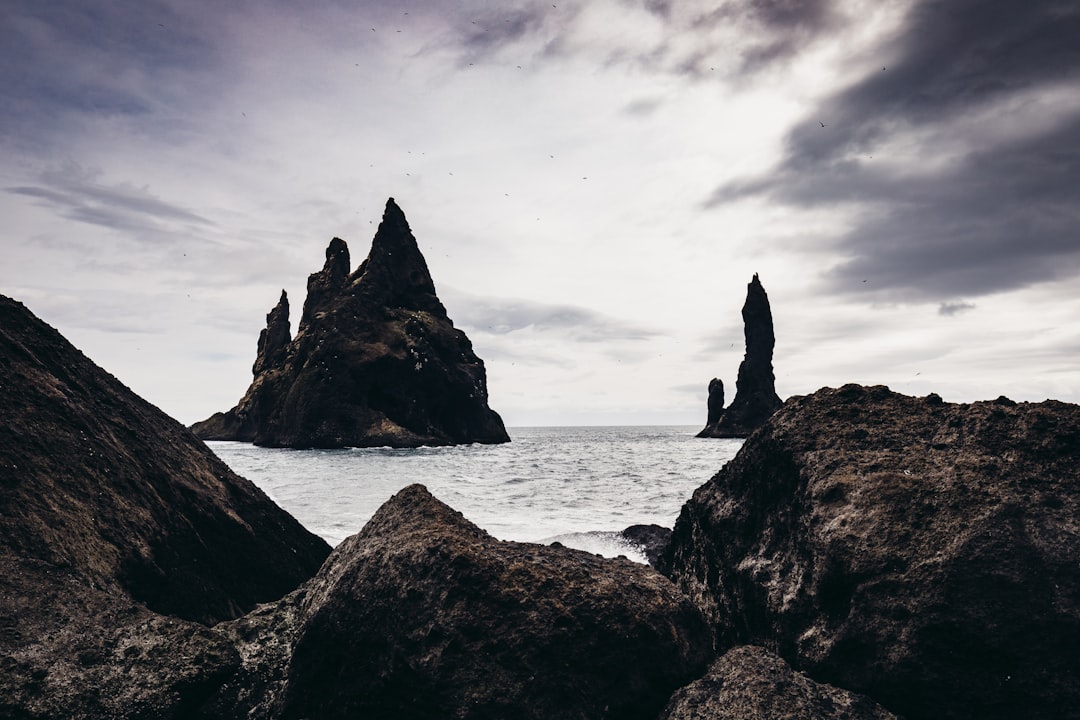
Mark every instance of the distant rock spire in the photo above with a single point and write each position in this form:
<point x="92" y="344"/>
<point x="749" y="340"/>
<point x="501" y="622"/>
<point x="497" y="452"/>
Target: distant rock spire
<point x="716" y="401"/>
<point x="274" y="339"/>
<point x="755" y="389"/>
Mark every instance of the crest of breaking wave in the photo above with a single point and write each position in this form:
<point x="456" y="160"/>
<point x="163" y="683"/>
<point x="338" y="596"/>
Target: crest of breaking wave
<point x="577" y="485"/>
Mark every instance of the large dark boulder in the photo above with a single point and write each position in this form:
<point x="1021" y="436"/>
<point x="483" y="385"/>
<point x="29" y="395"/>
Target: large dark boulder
<point x="920" y="552"/>
<point x="755" y="388"/>
<point x="751" y="683"/>
<point x="96" y="479"/>
<point x="424" y="615"/>
<point x="120" y="532"/>
<point x="375" y="361"/>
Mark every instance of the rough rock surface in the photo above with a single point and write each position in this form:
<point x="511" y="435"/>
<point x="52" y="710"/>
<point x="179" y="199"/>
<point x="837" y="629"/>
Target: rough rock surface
<point x="424" y="615"/>
<point x="652" y="539"/>
<point x="375" y="361"/>
<point x="755" y="388"/>
<point x="107" y="508"/>
<point x="920" y="552"/>
<point x="751" y="683"/>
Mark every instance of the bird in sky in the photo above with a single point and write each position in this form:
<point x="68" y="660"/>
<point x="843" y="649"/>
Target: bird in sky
<point x="821" y="123"/>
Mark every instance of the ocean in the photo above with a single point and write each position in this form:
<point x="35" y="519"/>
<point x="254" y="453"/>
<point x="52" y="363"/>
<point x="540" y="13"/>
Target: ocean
<point x="577" y="485"/>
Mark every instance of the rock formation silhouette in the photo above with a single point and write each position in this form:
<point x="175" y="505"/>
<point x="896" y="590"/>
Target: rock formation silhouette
<point x="376" y="361"/>
<point x="755" y="388"/>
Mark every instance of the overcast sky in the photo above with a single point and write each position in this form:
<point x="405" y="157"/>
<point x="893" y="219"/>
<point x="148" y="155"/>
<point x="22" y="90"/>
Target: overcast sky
<point x="592" y="182"/>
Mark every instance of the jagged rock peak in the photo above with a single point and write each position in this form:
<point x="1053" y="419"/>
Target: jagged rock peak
<point x="755" y="391"/>
<point x="274" y="339"/>
<point x="325" y="284"/>
<point x="395" y="273"/>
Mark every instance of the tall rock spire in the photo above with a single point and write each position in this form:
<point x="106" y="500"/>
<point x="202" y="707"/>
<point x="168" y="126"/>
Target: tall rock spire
<point x="375" y="361"/>
<point x="755" y="388"/>
<point x="322" y="286"/>
<point x="274" y="339"/>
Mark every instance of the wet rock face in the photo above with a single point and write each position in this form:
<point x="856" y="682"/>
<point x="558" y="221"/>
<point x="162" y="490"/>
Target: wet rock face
<point x="424" y="615"/>
<point x="920" y="552"/>
<point x="652" y="539"/>
<point x="755" y="388"/>
<point x="751" y="683"/>
<point x="375" y="361"/>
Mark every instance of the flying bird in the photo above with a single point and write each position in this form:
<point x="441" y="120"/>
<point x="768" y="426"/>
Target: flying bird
<point x="822" y="124"/>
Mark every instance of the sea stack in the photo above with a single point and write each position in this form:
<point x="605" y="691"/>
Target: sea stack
<point x="755" y="389"/>
<point x="375" y="361"/>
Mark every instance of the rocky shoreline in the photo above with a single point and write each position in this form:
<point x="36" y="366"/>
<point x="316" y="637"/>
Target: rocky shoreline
<point x="866" y="555"/>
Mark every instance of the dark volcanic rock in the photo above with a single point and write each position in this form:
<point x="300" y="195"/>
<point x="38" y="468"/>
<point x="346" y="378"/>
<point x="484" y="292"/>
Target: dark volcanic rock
<point x="424" y="615"/>
<point x="751" y="683"/>
<point x="275" y="338"/>
<point x="755" y="388"/>
<point x="375" y="361"/>
<point x="109" y="507"/>
<point x="715" y="402"/>
<point x="920" y="552"/>
<point x="652" y="539"/>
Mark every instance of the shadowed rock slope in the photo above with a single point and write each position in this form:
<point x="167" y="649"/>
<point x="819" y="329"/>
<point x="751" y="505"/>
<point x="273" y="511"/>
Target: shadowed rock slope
<point x="110" y="513"/>
<point x="920" y="552"/>
<point x="375" y="361"/>
<point x="424" y="615"/>
<point x="755" y="388"/>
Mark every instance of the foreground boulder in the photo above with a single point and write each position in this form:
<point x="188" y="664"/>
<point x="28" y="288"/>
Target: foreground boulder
<point x="96" y="479"/>
<point x="424" y="615"/>
<point x="920" y="552"/>
<point x="376" y="361"/>
<point x="755" y="388"/>
<point x="120" y="532"/>
<point x="751" y="683"/>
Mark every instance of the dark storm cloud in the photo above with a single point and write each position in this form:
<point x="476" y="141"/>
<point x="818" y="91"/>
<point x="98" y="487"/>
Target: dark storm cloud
<point x="999" y="215"/>
<point x="60" y="61"/>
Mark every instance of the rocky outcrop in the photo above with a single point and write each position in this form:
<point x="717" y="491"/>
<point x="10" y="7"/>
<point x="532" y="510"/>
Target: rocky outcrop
<point x="119" y="534"/>
<point x="424" y="615"/>
<point x="755" y="388"/>
<point x="651" y="539"/>
<point x="920" y="552"/>
<point x="375" y="361"/>
<point x="751" y="683"/>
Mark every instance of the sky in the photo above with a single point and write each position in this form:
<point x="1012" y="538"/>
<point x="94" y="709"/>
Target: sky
<point x="592" y="182"/>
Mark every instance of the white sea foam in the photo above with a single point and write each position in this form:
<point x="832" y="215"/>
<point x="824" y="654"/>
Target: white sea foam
<point x="576" y="485"/>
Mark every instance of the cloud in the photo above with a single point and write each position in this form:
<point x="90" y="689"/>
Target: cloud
<point x="505" y="316"/>
<point x="948" y="309"/>
<point x="74" y="193"/>
<point x="64" y="62"/>
<point x="957" y="158"/>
